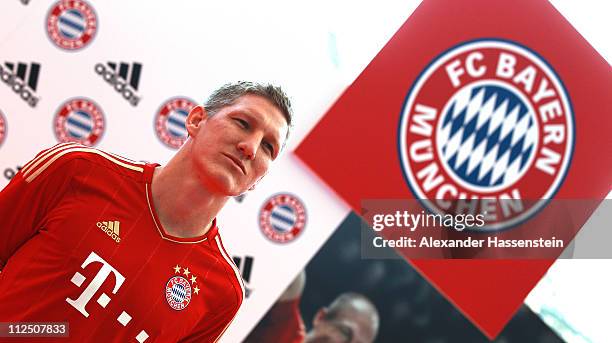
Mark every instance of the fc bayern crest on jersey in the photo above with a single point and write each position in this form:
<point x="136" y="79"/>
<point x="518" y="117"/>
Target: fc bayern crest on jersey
<point x="181" y="287"/>
<point x="282" y="218"/>
<point x="71" y="24"/>
<point x="2" y="128"/>
<point x="178" y="293"/>
<point x="170" y="121"/>
<point x="79" y="120"/>
<point x="487" y="128"/>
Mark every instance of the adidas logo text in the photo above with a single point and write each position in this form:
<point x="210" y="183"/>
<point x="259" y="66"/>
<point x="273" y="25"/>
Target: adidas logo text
<point x="111" y="228"/>
<point x="117" y="76"/>
<point x="15" y="77"/>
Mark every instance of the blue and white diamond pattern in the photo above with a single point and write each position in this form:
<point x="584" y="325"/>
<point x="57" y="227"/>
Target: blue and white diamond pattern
<point x="72" y="24"/>
<point x="179" y="293"/>
<point x="79" y="124"/>
<point x="176" y="123"/>
<point x="487" y="135"/>
<point x="283" y="218"/>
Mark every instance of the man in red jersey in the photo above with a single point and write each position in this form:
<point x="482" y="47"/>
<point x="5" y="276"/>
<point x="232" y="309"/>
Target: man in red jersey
<point x="121" y="250"/>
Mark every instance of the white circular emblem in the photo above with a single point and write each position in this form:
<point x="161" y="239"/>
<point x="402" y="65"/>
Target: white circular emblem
<point x="2" y="128"/>
<point x="487" y="128"/>
<point x="71" y="24"/>
<point x="170" y="121"/>
<point x="282" y="218"/>
<point x="178" y="293"/>
<point x="79" y="120"/>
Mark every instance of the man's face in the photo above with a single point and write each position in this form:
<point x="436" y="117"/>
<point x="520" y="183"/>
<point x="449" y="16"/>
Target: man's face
<point x="233" y="149"/>
<point x="349" y="326"/>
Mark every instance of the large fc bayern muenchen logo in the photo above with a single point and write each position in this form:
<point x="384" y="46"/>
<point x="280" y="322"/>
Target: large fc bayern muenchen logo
<point x="71" y="24"/>
<point x="79" y="120"/>
<point x="178" y="293"/>
<point x="170" y="121"/>
<point x="487" y="128"/>
<point x="282" y="218"/>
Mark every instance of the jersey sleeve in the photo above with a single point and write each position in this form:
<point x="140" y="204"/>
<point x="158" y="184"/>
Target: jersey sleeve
<point x="29" y="196"/>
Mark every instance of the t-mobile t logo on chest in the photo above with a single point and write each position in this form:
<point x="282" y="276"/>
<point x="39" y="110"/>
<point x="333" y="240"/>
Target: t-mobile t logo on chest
<point x="81" y="302"/>
<point x="95" y="284"/>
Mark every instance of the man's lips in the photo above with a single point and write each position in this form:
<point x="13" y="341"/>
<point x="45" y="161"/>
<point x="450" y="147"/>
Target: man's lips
<point x="237" y="162"/>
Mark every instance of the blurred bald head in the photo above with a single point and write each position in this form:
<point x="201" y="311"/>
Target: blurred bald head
<point x="351" y="317"/>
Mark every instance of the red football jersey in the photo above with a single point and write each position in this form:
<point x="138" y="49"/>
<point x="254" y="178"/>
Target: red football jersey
<point x="82" y="243"/>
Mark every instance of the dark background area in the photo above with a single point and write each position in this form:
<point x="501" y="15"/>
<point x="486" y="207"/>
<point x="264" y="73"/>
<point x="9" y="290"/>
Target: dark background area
<point x="411" y="310"/>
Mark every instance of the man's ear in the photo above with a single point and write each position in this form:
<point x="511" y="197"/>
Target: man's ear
<point x="196" y="117"/>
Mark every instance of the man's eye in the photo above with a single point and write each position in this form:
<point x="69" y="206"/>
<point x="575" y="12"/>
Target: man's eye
<point x="243" y="123"/>
<point x="269" y="147"/>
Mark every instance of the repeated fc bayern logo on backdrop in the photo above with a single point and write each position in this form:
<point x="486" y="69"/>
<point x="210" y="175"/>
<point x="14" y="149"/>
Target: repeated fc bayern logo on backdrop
<point x="282" y="218"/>
<point x="71" y="24"/>
<point x="79" y="120"/>
<point x="487" y="128"/>
<point x="2" y="128"/>
<point x="170" y="121"/>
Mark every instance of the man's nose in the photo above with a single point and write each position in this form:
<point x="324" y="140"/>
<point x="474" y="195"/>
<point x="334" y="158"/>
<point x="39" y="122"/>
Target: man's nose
<point x="248" y="147"/>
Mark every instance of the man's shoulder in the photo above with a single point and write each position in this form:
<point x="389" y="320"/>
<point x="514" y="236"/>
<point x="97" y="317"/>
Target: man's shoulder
<point x="57" y="159"/>
<point x="229" y="268"/>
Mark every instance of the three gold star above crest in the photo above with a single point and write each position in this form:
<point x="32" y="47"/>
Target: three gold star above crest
<point x="186" y="272"/>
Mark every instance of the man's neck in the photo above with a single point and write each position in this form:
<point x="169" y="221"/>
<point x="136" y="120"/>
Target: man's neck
<point x="184" y="207"/>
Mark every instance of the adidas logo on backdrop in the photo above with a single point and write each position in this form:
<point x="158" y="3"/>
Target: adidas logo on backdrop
<point x="123" y="77"/>
<point x="22" y="79"/>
